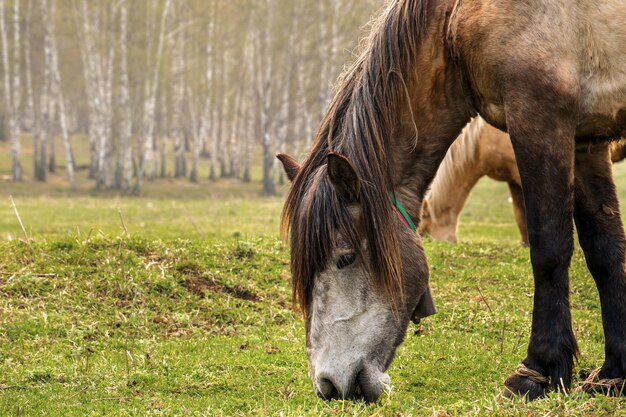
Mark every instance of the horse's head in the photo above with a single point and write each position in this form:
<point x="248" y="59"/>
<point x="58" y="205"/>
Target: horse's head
<point x="441" y="227"/>
<point x="356" y="311"/>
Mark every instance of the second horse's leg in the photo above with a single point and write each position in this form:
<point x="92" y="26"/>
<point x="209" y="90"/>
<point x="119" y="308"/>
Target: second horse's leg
<point x="517" y="195"/>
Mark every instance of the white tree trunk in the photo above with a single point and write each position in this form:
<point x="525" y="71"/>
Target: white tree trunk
<point x="48" y="16"/>
<point x="324" y="87"/>
<point x="98" y="55"/>
<point x="149" y="109"/>
<point x="11" y="93"/>
<point x="247" y="142"/>
<point x="214" y="146"/>
<point x="196" y="131"/>
<point x="29" y="113"/>
<point x="208" y="124"/>
<point x="106" y="140"/>
<point x="306" y="118"/>
<point x="178" y="91"/>
<point x="218" y="123"/>
<point x="89" y="73"/>
<point x="16" y="88"/>
<point x="44" y="105"/>
<point x="287" y="102"/>
<point x="238" y="127"/>
<point x="264" y="92"/>
<point x="251" y="114"/>
<point x="125" y="155"/>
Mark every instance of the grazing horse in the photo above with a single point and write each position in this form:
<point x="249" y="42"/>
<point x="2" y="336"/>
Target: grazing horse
<point x="550" y="72"/>
<point x="480" y="150"/>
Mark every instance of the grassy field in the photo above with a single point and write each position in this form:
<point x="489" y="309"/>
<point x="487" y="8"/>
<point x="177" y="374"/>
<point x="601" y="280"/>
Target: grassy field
<point x="177" y="303"/>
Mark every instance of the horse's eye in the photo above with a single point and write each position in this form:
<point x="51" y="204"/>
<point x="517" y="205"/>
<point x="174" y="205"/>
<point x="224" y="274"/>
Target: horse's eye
<point x="346" y="260"/>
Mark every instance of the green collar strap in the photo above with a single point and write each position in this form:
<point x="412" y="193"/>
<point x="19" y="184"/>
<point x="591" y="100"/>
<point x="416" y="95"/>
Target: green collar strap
<point x="404" y="216"/>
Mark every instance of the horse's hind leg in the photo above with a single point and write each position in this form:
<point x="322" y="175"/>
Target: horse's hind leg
<point x="601" y="236"/>
<point x="517" y="195"/>
<point x="542" y="125"/>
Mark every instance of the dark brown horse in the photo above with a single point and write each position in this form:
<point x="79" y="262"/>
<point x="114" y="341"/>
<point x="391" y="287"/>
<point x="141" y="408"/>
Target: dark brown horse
<point x="552" y="73"/>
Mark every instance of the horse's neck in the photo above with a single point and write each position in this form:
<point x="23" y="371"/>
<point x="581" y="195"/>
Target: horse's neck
<point x="403" y="100"/>
<point x="435" y="112"/>
<point x="457" y="175"/>
<point x="419" y="158"/>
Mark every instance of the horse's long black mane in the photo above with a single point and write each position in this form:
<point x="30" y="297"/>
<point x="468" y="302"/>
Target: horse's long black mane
<point x="359" y="124"/>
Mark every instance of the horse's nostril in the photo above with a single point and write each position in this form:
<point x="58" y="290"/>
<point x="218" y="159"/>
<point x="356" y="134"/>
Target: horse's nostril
<point x="326" y="389"/>
<point x="360" y="382"/>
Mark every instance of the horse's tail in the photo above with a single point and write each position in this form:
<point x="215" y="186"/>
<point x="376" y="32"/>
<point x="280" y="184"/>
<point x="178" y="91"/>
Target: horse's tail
<point x="458" y="162"/>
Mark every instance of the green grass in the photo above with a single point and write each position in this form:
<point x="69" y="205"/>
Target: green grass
<point x="189" y="314"/>
<point x="110" y="325"/>
<point x="147" y="217"/>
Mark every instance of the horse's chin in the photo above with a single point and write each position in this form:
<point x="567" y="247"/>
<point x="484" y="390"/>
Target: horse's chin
<point x="372" y="383"/>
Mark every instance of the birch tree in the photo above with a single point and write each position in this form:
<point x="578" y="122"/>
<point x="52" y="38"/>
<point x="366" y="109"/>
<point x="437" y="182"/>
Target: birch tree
<point x="265" y="91"/>
<point x="44" y="123"/>
<point x="29" y="112"/>
<point x="12" y="86"/>
<point x="156" y="81"/>
<point x="208" y="120"/>
<point x="178" y="95"/>
<point x="287" y="110"/>
<point x="149" y="105"/>
<point x="124" y="159"/>
<point x="248" y="141"/>
<point x="16" y="88"/>
<point x="98" y="55"/>
<point x="48" y="17"/>
<point x="197" y="132"/>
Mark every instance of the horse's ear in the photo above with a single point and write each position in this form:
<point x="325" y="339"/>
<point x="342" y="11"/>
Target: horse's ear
<point x="290" y="165"/>
<point x="343" y="176"/>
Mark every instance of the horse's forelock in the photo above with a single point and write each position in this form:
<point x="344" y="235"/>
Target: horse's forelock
<point x="314" y="215"/>
<point x="314" y="220"/>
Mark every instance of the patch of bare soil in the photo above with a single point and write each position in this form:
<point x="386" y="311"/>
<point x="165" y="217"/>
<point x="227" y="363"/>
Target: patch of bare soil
<point x="200" y="286"/>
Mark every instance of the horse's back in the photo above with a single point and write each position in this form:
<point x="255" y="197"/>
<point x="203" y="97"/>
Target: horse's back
<point x="575" y="49"/>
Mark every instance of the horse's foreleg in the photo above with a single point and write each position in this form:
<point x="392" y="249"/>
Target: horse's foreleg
<point x="543" y="140"/>
<point x="601" y="236"/>
<point x="517" y="195"/>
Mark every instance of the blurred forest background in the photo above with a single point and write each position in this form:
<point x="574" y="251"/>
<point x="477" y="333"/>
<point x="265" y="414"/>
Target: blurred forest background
<point x="113" y="93"/>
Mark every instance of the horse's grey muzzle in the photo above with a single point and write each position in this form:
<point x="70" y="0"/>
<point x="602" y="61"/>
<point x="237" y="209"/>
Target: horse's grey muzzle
<point x="364" y="382"/>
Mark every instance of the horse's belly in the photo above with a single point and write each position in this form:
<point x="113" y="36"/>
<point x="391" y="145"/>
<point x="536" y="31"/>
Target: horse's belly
<point x="599" y="126"/>
<point x="603" y="90"/>
<point x="603" y="62"/>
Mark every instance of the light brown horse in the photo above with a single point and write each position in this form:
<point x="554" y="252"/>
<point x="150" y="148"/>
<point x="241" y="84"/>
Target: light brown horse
<point x="480" y="150"/>
<point x="550" y="72"/>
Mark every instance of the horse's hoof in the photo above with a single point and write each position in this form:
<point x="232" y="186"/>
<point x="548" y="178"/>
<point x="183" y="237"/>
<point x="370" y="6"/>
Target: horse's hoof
<point x="526" y="382"/>
<point x="598" y="383"/>
<point x="520" y="386"/>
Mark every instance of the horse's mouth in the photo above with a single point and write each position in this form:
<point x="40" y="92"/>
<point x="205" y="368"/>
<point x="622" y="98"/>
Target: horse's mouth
<point x="371" y="385"/>
<point x="368" y="385"/>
